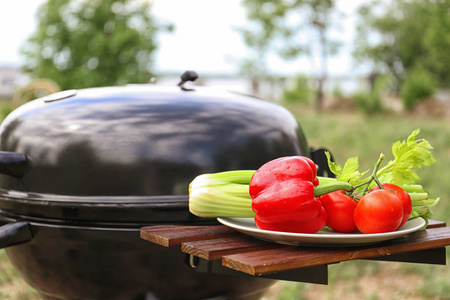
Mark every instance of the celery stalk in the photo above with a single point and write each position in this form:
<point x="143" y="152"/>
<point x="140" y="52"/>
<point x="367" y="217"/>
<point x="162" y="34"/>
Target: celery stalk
<point x="413" y="188"/>
<point x="223" y="194"/>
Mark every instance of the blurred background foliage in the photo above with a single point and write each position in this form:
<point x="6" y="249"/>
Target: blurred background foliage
<point x="400" y="36"/>
<point x="81" y="44"/>
<point x="280" y="26"/>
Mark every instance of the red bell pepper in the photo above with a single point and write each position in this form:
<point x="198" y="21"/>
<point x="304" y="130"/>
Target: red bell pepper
<point x="284" y="195"/>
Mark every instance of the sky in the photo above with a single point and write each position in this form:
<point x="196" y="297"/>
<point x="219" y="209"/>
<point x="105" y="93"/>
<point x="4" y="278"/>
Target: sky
<point x="205" y="37"/>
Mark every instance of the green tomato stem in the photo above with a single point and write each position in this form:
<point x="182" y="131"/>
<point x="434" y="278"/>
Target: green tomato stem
<point x="374" y="177"/>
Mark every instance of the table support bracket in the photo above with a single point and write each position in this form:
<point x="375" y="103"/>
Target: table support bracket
<point x="436" y="256"/>
<point x="314" y="274"/>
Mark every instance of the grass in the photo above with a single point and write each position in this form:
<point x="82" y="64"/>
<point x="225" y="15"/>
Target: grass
<point x="348" y="134"/>
<point x="12" y="286"/>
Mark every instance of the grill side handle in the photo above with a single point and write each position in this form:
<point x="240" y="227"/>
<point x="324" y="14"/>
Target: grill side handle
<point x="320" y="159"/>
<point x="13" y="164"/>
<point x="14" y="234"/>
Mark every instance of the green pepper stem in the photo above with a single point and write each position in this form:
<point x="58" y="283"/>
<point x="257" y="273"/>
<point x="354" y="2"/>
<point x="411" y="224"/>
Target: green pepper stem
<point x="332" y="187"/>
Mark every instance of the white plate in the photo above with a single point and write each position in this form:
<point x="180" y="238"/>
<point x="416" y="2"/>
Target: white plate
<point x="321" y="238"/>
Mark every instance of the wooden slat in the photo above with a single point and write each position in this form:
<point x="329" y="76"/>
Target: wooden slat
<point x="275" y="260"/>
<point x="171" y="235"/>
<point x="216" y="248"/>
<point x="435" y="224"/>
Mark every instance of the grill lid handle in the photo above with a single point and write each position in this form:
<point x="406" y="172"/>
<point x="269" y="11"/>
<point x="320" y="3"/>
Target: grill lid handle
<point x="187" y="76"/>
<point x="13" y="164"/>
<point x="14" y="234"/>
<point x="320" y="159"/>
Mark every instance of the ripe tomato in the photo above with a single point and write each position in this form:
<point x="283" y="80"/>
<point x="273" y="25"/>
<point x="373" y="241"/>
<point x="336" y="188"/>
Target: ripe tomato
<point x="402" y="195"/>
<point x="339" y="208"/>
<point x="378" y="211"/>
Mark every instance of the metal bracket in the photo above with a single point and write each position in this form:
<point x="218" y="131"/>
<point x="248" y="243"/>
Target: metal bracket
<point x="434" y="256"/>
<point x="315" y="274"/>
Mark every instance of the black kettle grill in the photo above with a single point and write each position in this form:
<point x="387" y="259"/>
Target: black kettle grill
<point x="83" y="170"/>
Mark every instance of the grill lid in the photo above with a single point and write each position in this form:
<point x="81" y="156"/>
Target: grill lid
<point x="141" y="140"/>
<point x="127" y="154"/>
<point x="129" y="145"/>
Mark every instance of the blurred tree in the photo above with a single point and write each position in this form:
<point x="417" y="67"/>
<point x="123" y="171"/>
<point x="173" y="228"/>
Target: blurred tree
<point x="90" y="43"/>
<point x="403" y="35"/>
<point x="282" y="26"/>
<point x="258" y="38"/>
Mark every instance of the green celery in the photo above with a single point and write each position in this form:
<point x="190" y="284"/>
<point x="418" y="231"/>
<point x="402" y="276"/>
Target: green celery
<point x="223" y="194"/>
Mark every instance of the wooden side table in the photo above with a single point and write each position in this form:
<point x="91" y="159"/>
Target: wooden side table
<point x="222" y="250"/>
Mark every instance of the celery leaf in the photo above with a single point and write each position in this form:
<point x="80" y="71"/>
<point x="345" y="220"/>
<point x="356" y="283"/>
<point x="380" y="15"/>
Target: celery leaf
<point x="348" y="173"/>
<point x="408" y="154"/>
